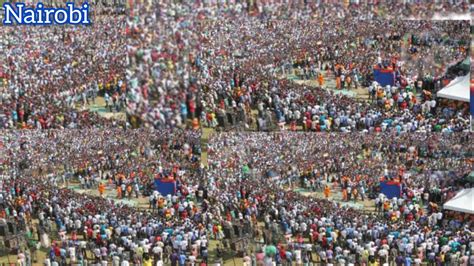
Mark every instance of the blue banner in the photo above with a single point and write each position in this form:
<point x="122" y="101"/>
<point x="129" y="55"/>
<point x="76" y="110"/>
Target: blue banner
<point x="165" y="187"/>
<point x="384" y="77"/>
<point x="472" y="99"/>
<point x="391" y="189"/>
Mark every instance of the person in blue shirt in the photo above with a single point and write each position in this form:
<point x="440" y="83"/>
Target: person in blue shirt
<point x="278" y="258"/>
<point x="52" y="255"/>
<point x="182" y="259"/>
<point x="399" y="260"/>
<point x="399" y="129"/>
<point x="174" y="257"/>
<point x="184" y="111"/>
<point x="14" y="115"/>
<point x="454" y="246"/>
<point x="289" y="257"/>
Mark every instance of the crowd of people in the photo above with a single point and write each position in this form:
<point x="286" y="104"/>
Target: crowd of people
<point x="84" y="191"/>
<point x="253" y="178"/>
<point x="48" y="76"/>
<point x="215" y="62"/>
<point x="391" y="9"/>
<point x="162" y="53"/>
<point x="40" y="168"/>
<point x="251" y="61"/>
<point x="172" y="65"/>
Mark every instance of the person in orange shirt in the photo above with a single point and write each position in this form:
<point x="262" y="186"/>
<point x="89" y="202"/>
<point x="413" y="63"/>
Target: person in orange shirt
<point x="119" y="192"/>
<point x="129" y="191"/>
<point x="168" y="213"/>
<point x="327" y="192"/>
<point x="344" y="194"/>
<point x="321" y="80"/>
<point x="101" y="189"/>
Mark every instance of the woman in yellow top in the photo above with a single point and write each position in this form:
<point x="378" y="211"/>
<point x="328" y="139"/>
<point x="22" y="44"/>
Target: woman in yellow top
<point x="147" y="261"/>
<point x="373" y="263"/>
<point x="161" y="203"/>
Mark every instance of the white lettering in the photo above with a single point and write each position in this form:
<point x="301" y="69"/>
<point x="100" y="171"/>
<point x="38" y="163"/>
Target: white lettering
<point x="9" y="11"/>
<point x="48" y="12"/>
<point x="85" y="10"/>
<point x="75" y="15"/>
<point x="57" y="16"/>
<point x="39" y="11"/>
<point x="18" y="14"/>
<point x="29" y="16"/>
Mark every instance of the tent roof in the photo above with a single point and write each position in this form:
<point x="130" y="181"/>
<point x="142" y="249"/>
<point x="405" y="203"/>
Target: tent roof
<point x="458" y="89"/>
<point x="466" y="62"/>
<point x="462" y="202"/>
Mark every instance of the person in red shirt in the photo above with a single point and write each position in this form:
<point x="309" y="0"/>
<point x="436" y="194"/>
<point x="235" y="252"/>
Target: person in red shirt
<point x="89" y="233"/>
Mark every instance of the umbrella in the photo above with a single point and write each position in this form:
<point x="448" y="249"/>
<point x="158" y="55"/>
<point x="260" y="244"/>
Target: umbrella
<point x="246" y="169"/>
<point x="470" y="177"/>
<point x="270" y="251"/>
<point x="272" y="174"/>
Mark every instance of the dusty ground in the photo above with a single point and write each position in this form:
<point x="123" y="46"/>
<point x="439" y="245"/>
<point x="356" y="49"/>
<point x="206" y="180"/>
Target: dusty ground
<point x="99" y="107"/>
